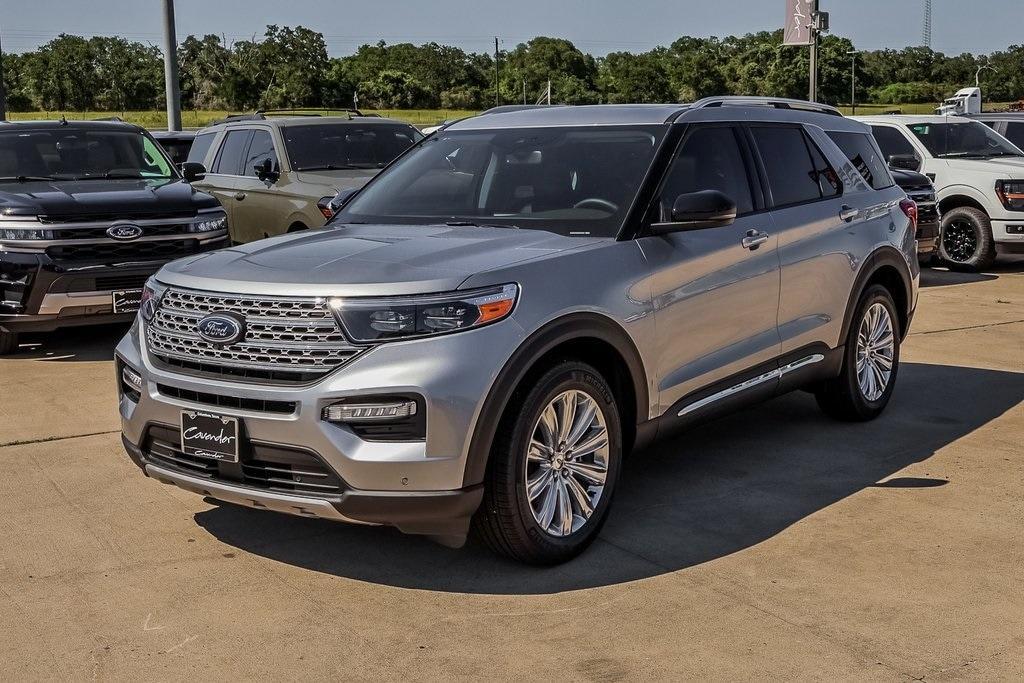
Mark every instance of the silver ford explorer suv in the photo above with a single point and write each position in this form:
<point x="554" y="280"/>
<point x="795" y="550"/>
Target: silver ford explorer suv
<point x="485" y="330"/>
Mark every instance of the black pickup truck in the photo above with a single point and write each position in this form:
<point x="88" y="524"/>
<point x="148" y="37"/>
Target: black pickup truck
<point x="920" y="189"/>
<point x="88" y="211"/>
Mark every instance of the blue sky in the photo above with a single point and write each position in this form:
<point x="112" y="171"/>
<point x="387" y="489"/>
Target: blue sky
<point x="596" y="26"/>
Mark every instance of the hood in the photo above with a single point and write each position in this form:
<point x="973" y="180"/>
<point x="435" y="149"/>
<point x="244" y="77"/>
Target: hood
<point x="365" y="260"/>
<point x="125" y="198"/>
<point x="355" y="177"/>
<point x="910" y="180"/>
<point x="1009" y="167"/>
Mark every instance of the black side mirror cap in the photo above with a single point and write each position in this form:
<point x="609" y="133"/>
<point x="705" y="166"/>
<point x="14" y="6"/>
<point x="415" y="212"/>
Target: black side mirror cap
<point x="697" y="211"/>
<point x="192" y="171"/>
<point x="265" y="170"/>
<point x="906" y="162"/>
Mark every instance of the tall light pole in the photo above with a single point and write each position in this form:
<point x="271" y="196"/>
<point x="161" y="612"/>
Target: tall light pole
<point x="853" y="80"/>
<point x="3" y="91"/>
<point x="171" y="69"/>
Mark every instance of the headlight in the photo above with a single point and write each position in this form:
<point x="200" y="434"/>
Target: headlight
<point x="1011" y="194"/>
<point x="370" y="320"/>
<point x="208" y="222"/>
<point x="151" y="293"/>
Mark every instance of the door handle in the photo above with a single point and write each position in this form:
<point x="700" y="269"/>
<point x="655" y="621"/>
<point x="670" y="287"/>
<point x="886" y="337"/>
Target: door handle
<point x="754" y="239"/>
<point x="239" y="196"/>
<point x="848" y="213"/>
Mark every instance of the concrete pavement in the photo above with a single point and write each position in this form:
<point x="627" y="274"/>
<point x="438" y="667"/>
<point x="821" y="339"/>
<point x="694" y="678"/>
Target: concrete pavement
<point x="773" y="543"/>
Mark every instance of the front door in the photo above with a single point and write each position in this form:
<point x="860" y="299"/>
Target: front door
<point x="258" y="209"/>
<point x="715" y="291"/>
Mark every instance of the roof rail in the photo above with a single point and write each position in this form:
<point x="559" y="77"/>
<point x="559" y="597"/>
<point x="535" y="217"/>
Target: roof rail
<point x="777" y="102"/>
<point x="263" y="114"/>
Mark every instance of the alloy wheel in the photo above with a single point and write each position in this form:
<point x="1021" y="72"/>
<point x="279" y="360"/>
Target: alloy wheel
<point x="567" y="463"/>
<point x="960" y="240"/>
<point x="876" y="349"/>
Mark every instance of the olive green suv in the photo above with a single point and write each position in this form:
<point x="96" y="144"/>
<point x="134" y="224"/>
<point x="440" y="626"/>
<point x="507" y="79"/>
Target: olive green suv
<point x="278" y="174"/>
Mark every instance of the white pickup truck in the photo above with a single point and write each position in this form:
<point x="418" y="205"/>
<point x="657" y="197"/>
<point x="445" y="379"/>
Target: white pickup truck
<point x="978" y="176"/>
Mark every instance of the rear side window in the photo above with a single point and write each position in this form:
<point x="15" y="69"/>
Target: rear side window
<point x="260" y="149"/>
<point x="892" y="141"/>
<point x="710" y="159"/>
<point x="229" y="161"/>
<point x="200" y="146"/>
<point x="1015" y="133"/>
<point x="860" y="149"/>
<point x="797" y="171"/>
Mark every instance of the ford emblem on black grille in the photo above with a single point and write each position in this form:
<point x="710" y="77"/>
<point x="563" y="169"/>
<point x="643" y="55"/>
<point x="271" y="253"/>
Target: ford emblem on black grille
<point x="124" y="231"/>
<point x="221" y="328"/>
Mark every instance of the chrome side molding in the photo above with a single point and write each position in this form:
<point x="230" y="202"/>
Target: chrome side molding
<point x="753" y="382"/>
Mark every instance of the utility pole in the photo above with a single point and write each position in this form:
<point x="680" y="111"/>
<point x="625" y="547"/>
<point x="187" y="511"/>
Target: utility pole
<point x="853" y="80"/>
<point x="3" y="91"/>
<point x="171" y="68"/>
<point x="496" y="71"/>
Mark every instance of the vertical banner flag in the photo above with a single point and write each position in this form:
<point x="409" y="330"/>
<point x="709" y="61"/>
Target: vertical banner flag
<point x="797" y="30"/>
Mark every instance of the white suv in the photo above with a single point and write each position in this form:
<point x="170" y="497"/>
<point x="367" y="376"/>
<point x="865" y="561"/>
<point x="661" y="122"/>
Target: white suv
<point x="978" y="176"/>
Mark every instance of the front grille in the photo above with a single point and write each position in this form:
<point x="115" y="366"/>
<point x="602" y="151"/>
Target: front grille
<point x="262" y="466"/>
<point x="163" y="249"/>
<point x="100" y="232"/>
<point x="290" y="338"/>
<point x="221" y="401"/>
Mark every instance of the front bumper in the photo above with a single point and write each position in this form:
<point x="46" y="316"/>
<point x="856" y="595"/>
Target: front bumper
<point x="927" y="237"/>
<point x="417" y="486"/>
<point x="1009" y="235"/>
<point x="66" y="294"/>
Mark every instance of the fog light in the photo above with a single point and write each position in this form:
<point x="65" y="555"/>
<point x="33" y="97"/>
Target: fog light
<point x="131" y="378"/>
<point x="369" y="412"/>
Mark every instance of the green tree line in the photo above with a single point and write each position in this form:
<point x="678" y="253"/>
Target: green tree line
<point x="290" y="67"/>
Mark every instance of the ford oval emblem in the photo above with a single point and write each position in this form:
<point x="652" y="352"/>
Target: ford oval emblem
<point x="221" y="328"/>
<point x="124" y="232"/>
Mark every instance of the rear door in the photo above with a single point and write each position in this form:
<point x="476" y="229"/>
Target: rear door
<point x="222" y="177"/>
<point x="818" y="230"/>
<point x="715" y="291"/>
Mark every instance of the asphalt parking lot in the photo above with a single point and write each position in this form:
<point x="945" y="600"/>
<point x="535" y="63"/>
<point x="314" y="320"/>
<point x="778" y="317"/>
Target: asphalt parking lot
<point x="771" y="543"/>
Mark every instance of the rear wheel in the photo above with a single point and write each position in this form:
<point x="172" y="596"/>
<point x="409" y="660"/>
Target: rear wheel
<point x="553" y="468"/>
<point x="966" y="240"/>
<point x="870" y="361"/>
<point x="8" y="342"/>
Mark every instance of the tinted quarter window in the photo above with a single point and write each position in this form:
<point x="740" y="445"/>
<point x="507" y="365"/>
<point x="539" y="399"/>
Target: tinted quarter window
<point x="1015" y="133"/>
<point x="792" y="174"/>
<point x="229" y="161"/>
<point x="710" y="159"/>
<point x="860" y="149"/>
<point x="892" y="141"/>
<point x="260" y="149"/>
<point x="200" y="146"/>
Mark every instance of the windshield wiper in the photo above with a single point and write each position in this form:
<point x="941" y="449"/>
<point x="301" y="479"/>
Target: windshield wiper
<point x="473" y="224"/>
<point x="328" y="167"/>
<point x="25" y="178"/>
<point x="963" y="155"/>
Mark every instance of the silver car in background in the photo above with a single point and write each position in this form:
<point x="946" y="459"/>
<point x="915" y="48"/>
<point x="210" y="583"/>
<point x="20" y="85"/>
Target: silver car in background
<point x="488" y="327"/>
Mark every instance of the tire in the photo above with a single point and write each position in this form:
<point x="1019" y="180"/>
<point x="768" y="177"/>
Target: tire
<point x="536" y="533"/>
<point x="845" y="397"/>
<point x="8" y="342"/>
<point x="965" y="242"/>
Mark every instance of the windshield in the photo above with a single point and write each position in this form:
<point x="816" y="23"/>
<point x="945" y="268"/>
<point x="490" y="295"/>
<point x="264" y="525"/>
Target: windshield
<point x="346" y="145"/>
<point x="572" y="181"/>
<point x="964" y="140"/>
<point x="77" y="154"/>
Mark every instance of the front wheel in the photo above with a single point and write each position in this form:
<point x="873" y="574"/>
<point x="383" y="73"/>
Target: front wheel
<point x="553" y="469"/>
<point x="966" y="239"/>
<point x="871" y="361"/>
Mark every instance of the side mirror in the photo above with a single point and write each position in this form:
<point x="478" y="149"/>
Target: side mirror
<point x="193" y="171"/>
<point x="907" y="162"/>
<point x="330" y="206"/>
<point x="698" y="210"/>
<point x="265" y="170"/>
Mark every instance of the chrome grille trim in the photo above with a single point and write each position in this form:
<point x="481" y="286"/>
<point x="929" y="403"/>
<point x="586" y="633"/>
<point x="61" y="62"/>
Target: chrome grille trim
<point x="283" y="334"/>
